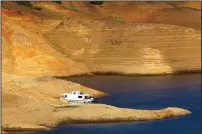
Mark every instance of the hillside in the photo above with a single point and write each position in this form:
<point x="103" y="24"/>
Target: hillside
<point x="42" y="40"/>
<point x="70" y="44"/>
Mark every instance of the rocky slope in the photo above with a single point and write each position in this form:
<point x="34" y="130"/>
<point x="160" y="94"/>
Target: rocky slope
<point x="128" y="48"/>
<point x="79" y="44"/>
<point x="46" y="39"/>
<point x="26" y="51"/>
<point x="148" y="12"/>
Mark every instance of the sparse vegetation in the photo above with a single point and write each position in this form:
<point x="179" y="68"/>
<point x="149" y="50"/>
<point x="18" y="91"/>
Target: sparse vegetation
<point x="113" y="42"/>
<point x="170" y="3"/>
<point x="117" y="19"/>
<point x="24" y="3"/>
<point x="28" y="4"/>
<point x="36" y="7"/>
<point x="96" y="2"/>
<point x="73" y="9"/>
<point x="58" y="2"/>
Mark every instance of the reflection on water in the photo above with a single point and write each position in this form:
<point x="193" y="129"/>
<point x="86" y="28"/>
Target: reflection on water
<point x="144" y="93"/>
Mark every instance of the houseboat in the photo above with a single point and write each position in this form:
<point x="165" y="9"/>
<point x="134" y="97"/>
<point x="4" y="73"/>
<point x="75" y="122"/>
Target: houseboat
<point x="77" y="96"/>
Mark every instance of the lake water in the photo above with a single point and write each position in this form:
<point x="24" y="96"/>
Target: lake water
<point x="152" y="92"/>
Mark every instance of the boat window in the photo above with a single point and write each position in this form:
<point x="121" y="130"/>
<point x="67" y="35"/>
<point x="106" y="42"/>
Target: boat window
<point x="65" y="96"/>
<point x="87" y="97"/>
<point x="79" y="96"/>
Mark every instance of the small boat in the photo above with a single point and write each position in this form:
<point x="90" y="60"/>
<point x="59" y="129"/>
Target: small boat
<point x="77" y="96"/>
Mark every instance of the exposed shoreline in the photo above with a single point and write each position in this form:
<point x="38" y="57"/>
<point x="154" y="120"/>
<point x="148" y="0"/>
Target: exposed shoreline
<point x="97" y="73"/>
<point x="112" y="115"/>
<point x="49" y="116"/>
<point x="78" y="122"/>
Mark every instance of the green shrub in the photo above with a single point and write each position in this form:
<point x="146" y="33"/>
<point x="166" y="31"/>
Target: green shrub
<point x="170" y="3"/>
<point x="28" y="4"/>
<point x="118" y="19"/>
<point x="58" y="2"/>
<point x="24" y="3"/>
<point x="96" y="2"/>
<point x="36" y="7"/>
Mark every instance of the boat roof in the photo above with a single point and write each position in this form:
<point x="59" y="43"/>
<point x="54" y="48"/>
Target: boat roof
<point x="76" y="93"/>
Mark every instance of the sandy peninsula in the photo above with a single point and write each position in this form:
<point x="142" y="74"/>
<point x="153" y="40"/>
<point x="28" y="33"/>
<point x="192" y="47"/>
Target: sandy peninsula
<point x="44" y="117"/>
<point x="32" y="103"/>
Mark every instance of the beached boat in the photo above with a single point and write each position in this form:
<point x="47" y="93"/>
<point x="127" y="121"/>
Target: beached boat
<point x="77" y="96"/>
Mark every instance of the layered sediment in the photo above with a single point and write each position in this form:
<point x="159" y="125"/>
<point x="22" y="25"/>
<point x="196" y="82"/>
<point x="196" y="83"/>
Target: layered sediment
<point x="128" y="48"/>
<point x="80" y="45"/>
<point x="44" y="41"/>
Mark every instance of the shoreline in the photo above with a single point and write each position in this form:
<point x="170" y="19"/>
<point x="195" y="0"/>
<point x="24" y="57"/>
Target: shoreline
<point x="47" y="117"/>
<point x="131" y="115"/>
<point x="97" y="73"/>
<point x="80" y="123"/>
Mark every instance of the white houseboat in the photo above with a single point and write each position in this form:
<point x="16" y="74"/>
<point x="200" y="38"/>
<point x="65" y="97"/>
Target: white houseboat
<point x="77" y="96"/>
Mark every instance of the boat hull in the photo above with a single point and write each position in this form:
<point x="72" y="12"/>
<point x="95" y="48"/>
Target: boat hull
<point x="78" y="101"/>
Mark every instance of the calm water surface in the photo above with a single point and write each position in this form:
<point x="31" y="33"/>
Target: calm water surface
<point x="155" y="92"/>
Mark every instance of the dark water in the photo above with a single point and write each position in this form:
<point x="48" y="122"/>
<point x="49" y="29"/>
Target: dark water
<point x="156" y="92"/>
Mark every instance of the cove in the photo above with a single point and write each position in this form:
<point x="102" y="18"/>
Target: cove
<point x="148" y="92"/>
